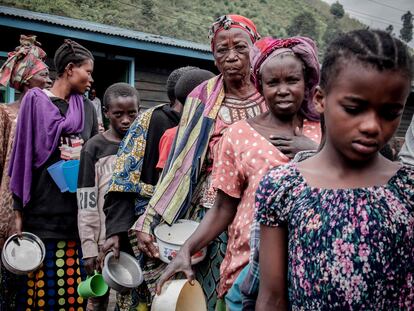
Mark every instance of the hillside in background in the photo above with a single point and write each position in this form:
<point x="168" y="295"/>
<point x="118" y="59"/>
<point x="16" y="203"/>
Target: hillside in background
<point x="190" y="19"/>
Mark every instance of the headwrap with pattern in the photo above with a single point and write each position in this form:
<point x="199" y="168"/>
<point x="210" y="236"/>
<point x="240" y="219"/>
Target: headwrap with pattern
<point x="302" y="47"/>
<point x="233" y="21"/>
<point x="23" y="63"/>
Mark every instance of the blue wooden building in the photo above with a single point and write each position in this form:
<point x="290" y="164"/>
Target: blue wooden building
<point x="144" y="60"/>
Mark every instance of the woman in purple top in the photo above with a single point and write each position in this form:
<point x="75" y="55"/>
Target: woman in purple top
<point x="52" y="125"/>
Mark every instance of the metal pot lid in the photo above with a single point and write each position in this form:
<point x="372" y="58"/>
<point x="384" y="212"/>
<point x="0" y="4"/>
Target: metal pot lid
<point x="25" y="254"/>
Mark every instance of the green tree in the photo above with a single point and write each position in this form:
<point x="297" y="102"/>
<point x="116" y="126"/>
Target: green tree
<point x="389" y="29"/>
<point x="406" y="32"/>
<point x="332" y="31"/>
<point x="304" y="24"/>
<point x="272" y="17"/>
<point x="337" y="10"/>
<point x="148" y="8"/>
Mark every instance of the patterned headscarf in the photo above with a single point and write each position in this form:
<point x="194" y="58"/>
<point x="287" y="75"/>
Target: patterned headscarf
<point x="23" y="63"/>
<point x="303" y="48"/>
<point x="233" y="21"/>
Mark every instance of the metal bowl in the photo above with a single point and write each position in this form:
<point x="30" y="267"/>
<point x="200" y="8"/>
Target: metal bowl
<point x="23" y="255"/>
<point x="122" y="275"/>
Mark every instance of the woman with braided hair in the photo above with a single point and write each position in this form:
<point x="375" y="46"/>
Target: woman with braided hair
<point x="52" y="124"/>
<point x="336" y="230"/>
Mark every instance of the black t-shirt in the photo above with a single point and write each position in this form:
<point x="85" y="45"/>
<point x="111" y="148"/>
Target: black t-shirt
<point x="162" y="119"/>
<point x="51" y="214"/>
<point x="119" y="207"/>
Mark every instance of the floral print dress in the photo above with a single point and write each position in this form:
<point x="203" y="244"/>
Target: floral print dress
<point x="348" y="249"/>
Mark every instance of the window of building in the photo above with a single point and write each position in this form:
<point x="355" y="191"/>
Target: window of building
<point x="7" y="94"/>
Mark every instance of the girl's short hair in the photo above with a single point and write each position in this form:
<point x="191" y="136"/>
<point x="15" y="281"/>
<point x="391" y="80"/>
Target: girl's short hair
<point x="374" y="48"/>
<point x="70" y="52"/>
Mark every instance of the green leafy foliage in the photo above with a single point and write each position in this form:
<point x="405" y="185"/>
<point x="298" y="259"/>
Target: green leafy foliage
<point x="389" y="29"/>
<point x="303" y="24"/>
<point x="337" y="10"/>
<point x="190" y="19"/>
<point x="148" y="9"/>
<point x="332" y="31"/>
<point x="406" y="32"/>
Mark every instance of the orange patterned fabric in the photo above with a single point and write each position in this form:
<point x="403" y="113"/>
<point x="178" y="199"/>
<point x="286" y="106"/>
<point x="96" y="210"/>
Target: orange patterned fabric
<point x="8" y="117"/>
<point x="231" y="111"/>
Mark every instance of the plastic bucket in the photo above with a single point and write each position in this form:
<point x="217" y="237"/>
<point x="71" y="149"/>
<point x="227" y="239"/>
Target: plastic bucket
<point x="180" y="295"/>
<point x="70" y="172"/>
<point x="171" y="238"/>
<point x="93" y="286"/>
<point x="56" y="171"/>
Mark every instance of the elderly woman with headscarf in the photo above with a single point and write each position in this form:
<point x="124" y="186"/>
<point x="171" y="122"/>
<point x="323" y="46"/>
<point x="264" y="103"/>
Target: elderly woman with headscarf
<point x="23" y="70"/>
<point x="185" y="187"/>
<point x="286" y="78"/>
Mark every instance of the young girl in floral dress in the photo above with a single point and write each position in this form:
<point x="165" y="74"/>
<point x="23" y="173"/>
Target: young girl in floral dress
<point x="337" y="229"/>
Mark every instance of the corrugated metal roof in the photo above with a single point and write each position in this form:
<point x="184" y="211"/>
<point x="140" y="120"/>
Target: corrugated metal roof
<point x="101" y="28"/>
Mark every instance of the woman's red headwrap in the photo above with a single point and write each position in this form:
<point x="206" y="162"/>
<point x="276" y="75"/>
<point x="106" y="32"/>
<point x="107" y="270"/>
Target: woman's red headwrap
<point x="23" y="63"/>
<point x="233" y="21"/>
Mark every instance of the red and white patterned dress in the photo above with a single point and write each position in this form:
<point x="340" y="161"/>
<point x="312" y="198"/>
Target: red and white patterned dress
<point x="243" y="158"/>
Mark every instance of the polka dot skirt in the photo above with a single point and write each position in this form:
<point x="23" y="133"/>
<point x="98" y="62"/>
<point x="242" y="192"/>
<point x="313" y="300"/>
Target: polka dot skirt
<point x="54" y="285"/>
